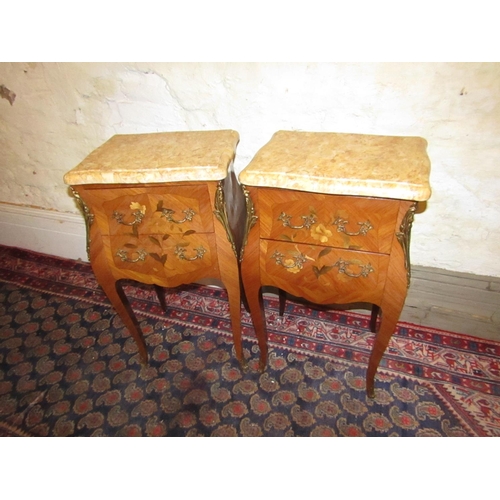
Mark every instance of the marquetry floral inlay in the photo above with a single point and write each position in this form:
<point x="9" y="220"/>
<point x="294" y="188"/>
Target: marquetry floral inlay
<point x="321" y="233"/>
<point x="294" y="263"/>
<point x="161" y="229"/>
<point x="137" y="206"/>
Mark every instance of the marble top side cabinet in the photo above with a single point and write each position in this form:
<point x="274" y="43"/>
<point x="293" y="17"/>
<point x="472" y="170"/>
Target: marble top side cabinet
<point x="328" y="220"/>
<point x="156" y="213"/>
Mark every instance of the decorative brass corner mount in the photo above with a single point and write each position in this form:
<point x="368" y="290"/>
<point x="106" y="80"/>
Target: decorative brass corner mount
<point x="251" y="219"/>
<point x="87" y="215"/>
<point x="221" y="213"/>
<point x="403" y="237"/>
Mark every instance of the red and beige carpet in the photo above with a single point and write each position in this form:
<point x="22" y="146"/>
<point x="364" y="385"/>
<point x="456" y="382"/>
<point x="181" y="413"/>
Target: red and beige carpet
<point x="68" y="367"/>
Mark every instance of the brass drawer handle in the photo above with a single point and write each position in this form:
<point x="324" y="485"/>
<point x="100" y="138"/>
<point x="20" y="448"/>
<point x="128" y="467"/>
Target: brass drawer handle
<point x="295" y="262"/>
<point x="141" y="255"/>
<point x="341" y="223"/>
<point x="309" y="220"/>
<point x="342" y="265"/>
<point x="138" y="216"/>
<point x="181" y="250"/>
<point x="168" y="213"/>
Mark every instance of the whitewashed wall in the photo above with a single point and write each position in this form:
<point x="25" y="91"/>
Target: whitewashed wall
<point x="62" y="112"/>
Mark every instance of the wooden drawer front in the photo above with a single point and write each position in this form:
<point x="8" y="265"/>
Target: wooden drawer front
<point x="322" y="274"/>
<point x="350" y="222"/>
<point x="170" y="257"/>
<point x="166" y="210"/>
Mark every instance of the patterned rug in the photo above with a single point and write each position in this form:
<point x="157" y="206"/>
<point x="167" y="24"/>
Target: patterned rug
<point x="68" y="367"/>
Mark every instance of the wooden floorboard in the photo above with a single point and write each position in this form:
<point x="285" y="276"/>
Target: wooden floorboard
<point x="459" y="302"/>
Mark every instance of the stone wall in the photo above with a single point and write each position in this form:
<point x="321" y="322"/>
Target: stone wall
<point x="53" y="114"/>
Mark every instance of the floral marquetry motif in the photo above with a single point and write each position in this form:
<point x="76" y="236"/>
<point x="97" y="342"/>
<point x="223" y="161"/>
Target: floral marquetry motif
<point x="169" y="240"/>
<point x="334" y="218"/>
<point x="321" y="233"/>
<point x="159" y="216"/>
<point x="86" y="380"/>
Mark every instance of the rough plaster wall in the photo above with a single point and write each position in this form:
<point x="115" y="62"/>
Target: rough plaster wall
<point x="61" y="112"/>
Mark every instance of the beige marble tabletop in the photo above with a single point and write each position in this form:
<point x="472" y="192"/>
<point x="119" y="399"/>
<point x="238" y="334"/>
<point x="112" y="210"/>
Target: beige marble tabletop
<point x="347" y="164"/>
<point x="158" y="157"/>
